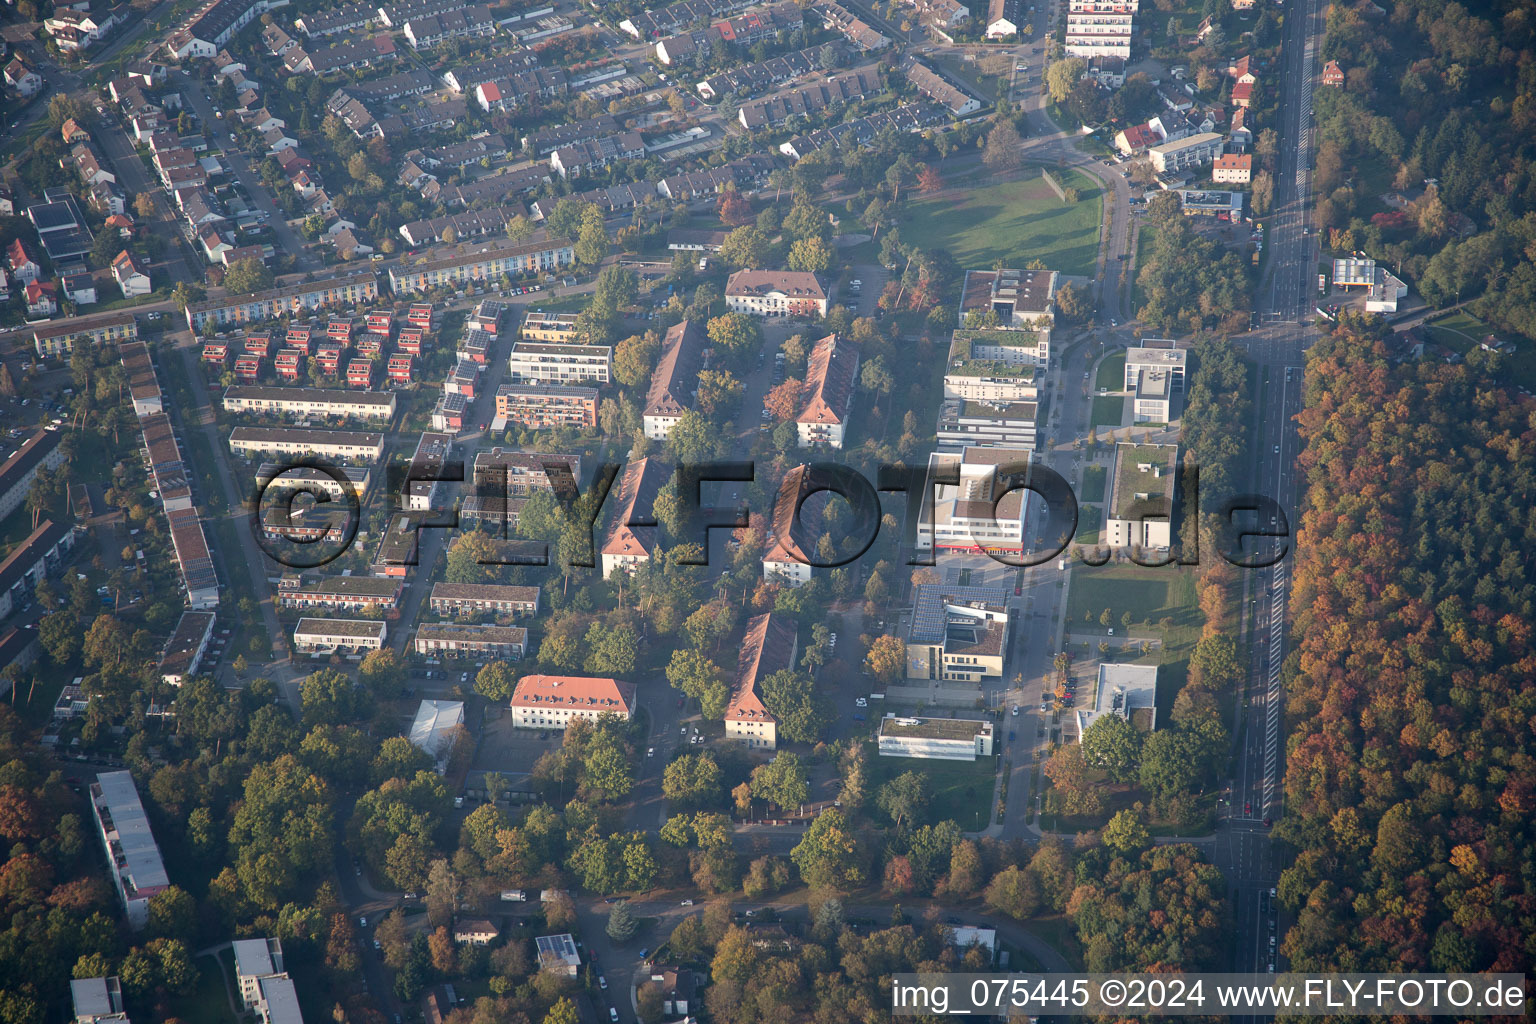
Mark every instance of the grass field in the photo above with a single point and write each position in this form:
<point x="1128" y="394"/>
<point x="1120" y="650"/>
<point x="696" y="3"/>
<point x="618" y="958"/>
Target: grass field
<point x="1112" y="373"/>
<point x="1108" y="410"/>
<point x="1094" y="478"/>
<point x="208" y="1003"/>
<point x="1015" y="222"/>
<point x="1089" y="519"/>
<point x="1462" y="332"/>
<point x="1150" y="595"/>
<point x="962" y="791"/>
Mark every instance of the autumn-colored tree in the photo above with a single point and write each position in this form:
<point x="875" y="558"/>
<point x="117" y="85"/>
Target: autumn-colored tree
<point x="734" y="209"/>
<point x="783" y="401"/>
<point x="929" y="179"/>
<point x="898" y="876"/>
<point x="887" y="659"/>
<point x="445" y="957"/>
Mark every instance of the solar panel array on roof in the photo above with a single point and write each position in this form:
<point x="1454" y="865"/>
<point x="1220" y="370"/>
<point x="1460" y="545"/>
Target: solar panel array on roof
<point x="929" y="619"/>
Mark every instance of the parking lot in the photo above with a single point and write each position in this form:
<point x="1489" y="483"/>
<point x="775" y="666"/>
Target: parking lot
<point x="508" y="750"/>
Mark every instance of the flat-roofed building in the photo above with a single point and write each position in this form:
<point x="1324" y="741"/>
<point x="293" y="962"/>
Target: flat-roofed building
<point x="353" y="289"/>
<point x="337" y="444"/>
<point x="630" y="535"/>
<point x="255" y="960"/>
<point x="1156" y="354"/>
<point x="97" y="1001"/>
<point x="941" y="739"/>
<point x="964" y="424"/>
<point x="428" y="464"/>
<point x="397" y="552"/>
<point x="133" y="857"/>
<point x="547" y="405"/>
<point x="957" y="633"/>
<point x="1185" y="153"/>
<point x="483" y="598"/>
<point x="59" y="337"/>
<point x="1152" y="400"/>
<point x="341" y="636"/>
<point x="1141" y="496"/>
<point x="467" y="640"/>
<point x="831" y="373"/>
<point x="340" y="594"/>
<point x="987" y="380"/>
<point x="775" y="294"/>
<point x="980" y="513"/>
<point x="183" y="654"/>
<point x="534" y="362"/>
<point x="674" y="382"/>
<point x="768" y="646"/>
<point x="33" y="560"/>
<point x="486" y="265"/>
<point x="551" y="702"/>
<point x="307" y="402"/>
<point x="1127" y="691"/>
<point x="279" y="1001"/>
<point x="1019" y="298"/>
<point x="38" y="452"/>
<point x="553" y="328"/>
<point x="1016" y="347"/>
<point x="272" y="476"/>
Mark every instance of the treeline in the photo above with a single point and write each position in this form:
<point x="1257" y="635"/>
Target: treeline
<point x="1189" y="282"/>
<point x="1410" y="775"/>
<point x="1440" y="101"/>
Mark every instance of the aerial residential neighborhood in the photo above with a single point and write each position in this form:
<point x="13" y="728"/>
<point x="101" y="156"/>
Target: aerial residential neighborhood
<point x="575" y="513"/>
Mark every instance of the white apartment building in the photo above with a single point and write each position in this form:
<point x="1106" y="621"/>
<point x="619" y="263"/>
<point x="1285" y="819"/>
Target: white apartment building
<point x="675" y="379"/>
<point x="255" y="960"/>
<point x="551" y="702"/>
<point x="769" y="645"/>
<point x="337" y="444"/>
<point x="774" y="294"/>
<point x="1181" y="154"/>
<point x="133" y="857"/>
<point x="306" y="402"/>
<point x="831" y="372"/>
<point x="351" y="636"/>
<point x="538" y="363"/>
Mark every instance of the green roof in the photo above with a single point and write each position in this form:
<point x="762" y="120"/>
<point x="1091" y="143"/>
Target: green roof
<point x="991" y="368"/>
<point x="1008" y="338"/>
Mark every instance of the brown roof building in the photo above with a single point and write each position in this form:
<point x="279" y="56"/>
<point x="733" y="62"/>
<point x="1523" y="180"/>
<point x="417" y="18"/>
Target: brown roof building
<point x="674" y="379"/>
<point x="550" y="702"/>
<point x="785" y="559"/>
<point x="768" y="647"/>
<point x="638" y="485"/>
<point x="829" y="378"/>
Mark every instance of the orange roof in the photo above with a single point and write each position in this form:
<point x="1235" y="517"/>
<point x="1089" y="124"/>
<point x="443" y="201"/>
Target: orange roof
<point x="637" y="496"/>
<point x="574" y="693"/>
<point x="1234" y="162"/>
<point x="829" y="381"/>
<point x="767" y="647"/>
<point x="783" y="546"/>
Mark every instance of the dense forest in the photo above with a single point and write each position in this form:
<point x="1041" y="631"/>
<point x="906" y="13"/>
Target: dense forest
<point x="1411" y="778"/>
<point x="1425" y="156"/>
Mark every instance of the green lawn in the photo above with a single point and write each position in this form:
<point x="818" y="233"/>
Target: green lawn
<point x="1144" y="239"/>
<point x="1112" y="372"/>
<point x="1462" y="332"/>
<point x="209" y="1002"/>
<point x="1094" y="478"/>
<point x="1089" y="519"/>
<point x="1108" y="410"/>
<point x="962" y="791"/>
<point x="1015" y="222"/>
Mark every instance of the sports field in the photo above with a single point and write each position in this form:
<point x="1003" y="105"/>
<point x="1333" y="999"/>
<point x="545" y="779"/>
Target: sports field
<point x="1016" y="222"/>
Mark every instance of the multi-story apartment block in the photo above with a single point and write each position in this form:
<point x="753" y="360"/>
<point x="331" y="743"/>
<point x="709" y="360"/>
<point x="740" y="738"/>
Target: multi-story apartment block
<point x="339" y="636"/>
<point x="1155" y="354"/>
<point x="255" y="961"/>
<point x="97" y="1001"/>
<point x="59" y="338"/>
<point x="988" y="424"/>
<point x="1100" y="29"/>
<point x="831" y="373"/>
<point x="339" y="593"/>
<point x="485" y="265"/>
<point x="675" y="379"/>
<point x="183" y="653"/>
<point x="40" y="451"/>
<point x="625" y="541"/>
<point x="1180" y="154"/>
<point x="546" y="405"/>
<point x="775" y="293"/>
<point x="768" y="646"/>
<point x="587" y="155"/>
<point x="213" y="25"/>
<point x="337" y="444"/>
<point x="455" y="640"/>
<point x="554" y="328"/>
<point x="133" y="857"/>
<point x="483" y="599"/>
<point x="277" y="477"/>
<point x="349" y="290"/>
<point x="532" y="362"/>
<point x="551" y="702"/>
<point x="308" y="402"/>
<point x="37" y="557"/>
<point x="785" y="559"/>
<point x="1018" y="298"/>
